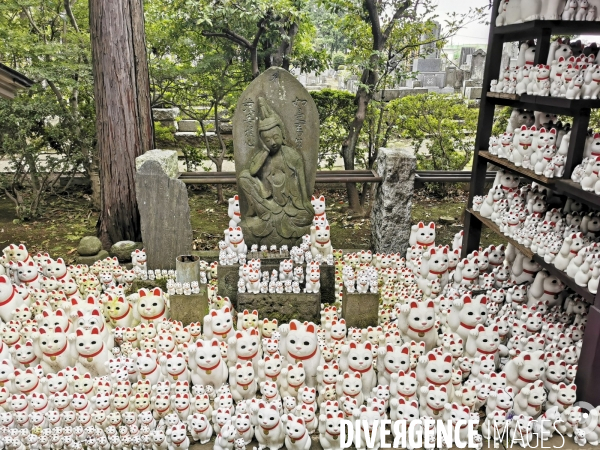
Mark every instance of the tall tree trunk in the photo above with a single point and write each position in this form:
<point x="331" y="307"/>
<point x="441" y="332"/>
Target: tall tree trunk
<point x="349" y="145"/>
<point x="123" y="115"/>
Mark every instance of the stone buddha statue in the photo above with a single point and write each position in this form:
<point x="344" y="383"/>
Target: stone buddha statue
<point x="274" y="186"/>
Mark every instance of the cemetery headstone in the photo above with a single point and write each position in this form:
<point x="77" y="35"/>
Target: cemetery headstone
<point x="164" y="210"/>
<point x="390" y="215"/>
<point x="276" y="140"/>
<point x="477" y="65"/>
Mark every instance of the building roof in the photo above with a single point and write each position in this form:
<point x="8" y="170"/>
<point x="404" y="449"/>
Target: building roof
<point x="11" y="81"/>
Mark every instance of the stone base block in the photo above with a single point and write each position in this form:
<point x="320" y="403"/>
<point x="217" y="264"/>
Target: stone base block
<point x="229" y="276"/>
<point x="89" y="260"/>
<point x="283" y="307"/>
<point x="190" y="126"/>
<point x="189" y="308"/>
<point x="360" y="310"/>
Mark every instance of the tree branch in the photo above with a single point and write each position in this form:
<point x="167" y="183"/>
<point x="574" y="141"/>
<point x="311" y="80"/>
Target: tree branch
<point x="371" y="8"/>
<point x="399" y="11"/>
<point x="58" y="94"/>
<point x="230" y="35"/>
<point x="70" y="15"/>
<point x="261" y="29"/>
<point x="33" y="24"/>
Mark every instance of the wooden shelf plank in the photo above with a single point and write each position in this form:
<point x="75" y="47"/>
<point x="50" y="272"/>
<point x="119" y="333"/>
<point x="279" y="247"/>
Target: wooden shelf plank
<point x="562" y="276"/>
<point x="519" y="170"/>
<point x="531" y="29"/>
<point x="574" y="191"/>
<point x="492" y="226"/>
<point x="514" y="97"/>
<point x="561" y="186"/>
<point x="559" y="105"/>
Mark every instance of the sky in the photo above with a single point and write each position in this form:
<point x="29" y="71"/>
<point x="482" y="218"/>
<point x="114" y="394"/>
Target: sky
<point x="474" y="33"/>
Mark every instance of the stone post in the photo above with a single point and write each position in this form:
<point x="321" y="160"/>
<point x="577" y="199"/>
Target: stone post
<point x="164" y="209"/>
<point x="390" y="215"/>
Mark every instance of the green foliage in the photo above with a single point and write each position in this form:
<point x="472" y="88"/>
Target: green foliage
<point x="338" y="60"/>
<point x="336" y="109"/>
<point x="594" y="120"/>
<point x="193" y="158"/>
<point x="50" y="127"/>
<point x="441" y="129"/>
<point x="501" y="116"/>
<point x="163" y="135"/>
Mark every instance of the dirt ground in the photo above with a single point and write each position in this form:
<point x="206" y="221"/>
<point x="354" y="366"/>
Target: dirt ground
<point x="66" y="220"/>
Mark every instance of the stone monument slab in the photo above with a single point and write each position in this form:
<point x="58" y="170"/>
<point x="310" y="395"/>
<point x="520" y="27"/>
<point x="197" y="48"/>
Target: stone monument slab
<point x="164" y="215"/>
<point x="283" y="307"/>
<point x="167" y="159"/>
<point x="427" y="65"/>
<point x="390" y="215"/>
<point x="360" y="310"/>
<point x="276" y="141"/>
<point x="478" y="65"/>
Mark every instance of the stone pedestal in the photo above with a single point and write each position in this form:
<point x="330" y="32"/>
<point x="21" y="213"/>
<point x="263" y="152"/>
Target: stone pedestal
<point x="228" y="277"/>
<point x="189" y="308"/>
<point x="390" y="215"/>
<point x="164" y="210"/>
<point x="283" y="307"/>
<point x="360" y="310"/>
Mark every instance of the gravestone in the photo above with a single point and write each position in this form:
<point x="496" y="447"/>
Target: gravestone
<point x="427" y="65"/>
<point x="166" y="116"/>
<point x="164" y="211"/>
<point x="430" y="49"/>
<point x="465" y="53"/>
<point x="276" y="141"/>
<point x="166" y="159"/>
<point x="477" y="65"/>
<point x="390" y="215"/>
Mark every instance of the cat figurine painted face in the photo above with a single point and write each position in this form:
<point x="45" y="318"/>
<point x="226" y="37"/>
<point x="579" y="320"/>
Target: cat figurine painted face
<point x="271" y="367"/>
<point x="55" y="349"/>
<point x="219" y="324"/>
<point x="390" y="360"/>
<point x="438" y="369"/>
<point x="56" y="269"/>
<point x="318" y="204"/>
<point x="423" y="235"/>
<point x="151" y="305"/>
<point x="299" y="343"/>
<point x="54" y="319"/>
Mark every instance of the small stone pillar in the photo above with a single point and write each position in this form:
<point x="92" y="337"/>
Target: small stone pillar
<point x="360" y="310"/>
<point x="189" y="308"/>
<point x="390" y="215"/>
<point x="187" y="268"/>
<point x="164" y="209"/>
